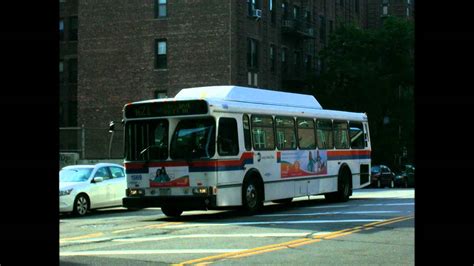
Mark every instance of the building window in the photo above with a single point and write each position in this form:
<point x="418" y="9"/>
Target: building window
<point x="284" y="10"/>
<point x="322" y="32"/>
<point x="341" y="2"/>
<point x="297" y="65"/>
<point x="385" y="10"/>
<point x="252" y="6"/>
<point x="161" y="8"/>
<point x="408" y="11"/>
<point x="161" y="94"/>
<point x="73" y="26"/>
<point x="61" y="29"/>
<point x="357" y="6"/>
<point x="72" y="70"/>
<point x="161" y="53"/>
<point x="252" y="79"/>
<point x="61" y="71"/>
<point x="284" y="60"/>
<point x="252" y="53"/>
<point x="308" y="64"/>
<point x="272" y="58"/>
<point x="272" y="11"/>
<point x="296" y="12"/>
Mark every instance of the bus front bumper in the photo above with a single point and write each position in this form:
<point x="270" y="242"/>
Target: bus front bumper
<point x="181" y="202"/>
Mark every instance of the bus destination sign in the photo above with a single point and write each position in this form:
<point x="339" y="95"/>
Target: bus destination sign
<point x="172" y="108"/>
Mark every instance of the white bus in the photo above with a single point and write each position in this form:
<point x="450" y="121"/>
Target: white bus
<point x="221" y="146"/>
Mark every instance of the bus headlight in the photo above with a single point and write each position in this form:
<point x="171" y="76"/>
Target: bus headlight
<point x="135" y="192"/>
<point x="200" y="190"/>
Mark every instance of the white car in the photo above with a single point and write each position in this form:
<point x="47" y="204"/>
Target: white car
<point x="86" y="187"/>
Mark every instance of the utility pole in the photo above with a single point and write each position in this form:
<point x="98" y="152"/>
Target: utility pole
<point x="111" y="131"/>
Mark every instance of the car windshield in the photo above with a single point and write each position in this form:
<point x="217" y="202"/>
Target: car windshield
<point x="74" y="174"/>
<point x="375" y="169"/>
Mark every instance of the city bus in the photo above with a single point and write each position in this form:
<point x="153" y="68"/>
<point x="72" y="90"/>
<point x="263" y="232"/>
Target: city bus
<point x="218" y="147"/>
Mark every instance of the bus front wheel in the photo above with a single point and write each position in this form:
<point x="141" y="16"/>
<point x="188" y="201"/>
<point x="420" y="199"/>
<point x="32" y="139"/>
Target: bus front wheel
<point x="171" y="211"/>
<point x="252" y="198"/>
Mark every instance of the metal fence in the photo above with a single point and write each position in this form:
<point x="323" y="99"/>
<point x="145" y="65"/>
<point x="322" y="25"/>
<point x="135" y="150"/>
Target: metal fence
<point x="91" y="143"/>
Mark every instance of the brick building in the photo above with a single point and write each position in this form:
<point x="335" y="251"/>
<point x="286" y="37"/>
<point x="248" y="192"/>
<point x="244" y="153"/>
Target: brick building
<point x="68" y="39"/>
<point x="128" y="51"/>
<point x="378" y="10"/>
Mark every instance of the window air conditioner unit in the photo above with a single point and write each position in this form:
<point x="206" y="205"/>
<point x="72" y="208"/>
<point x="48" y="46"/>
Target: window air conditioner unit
<point x="258" y="13"/>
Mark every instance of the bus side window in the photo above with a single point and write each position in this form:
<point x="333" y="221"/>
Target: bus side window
<point x="324" y="134"/>
<point x="341" y="135"/>
<point x="356" y="134"/>
<point x="306" y="133"/>
<point x="262" y="132"/>
<point x="285" y="132"/>
<point x="247" y="139"/>
<point x="228" y="141"/>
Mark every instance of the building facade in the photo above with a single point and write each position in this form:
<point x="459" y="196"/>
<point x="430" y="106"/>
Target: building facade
<point x="68" y="40"/>
<point x="126" y="51"/>
<point x="378" y="10"/>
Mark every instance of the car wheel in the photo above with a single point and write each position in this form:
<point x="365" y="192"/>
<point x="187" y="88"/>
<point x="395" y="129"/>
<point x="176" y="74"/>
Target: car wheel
<point x="81" y="205"/>
<point x="171" y="211"/>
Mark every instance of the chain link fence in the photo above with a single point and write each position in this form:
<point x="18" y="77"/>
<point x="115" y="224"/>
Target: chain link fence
<point x="91" y="143"/>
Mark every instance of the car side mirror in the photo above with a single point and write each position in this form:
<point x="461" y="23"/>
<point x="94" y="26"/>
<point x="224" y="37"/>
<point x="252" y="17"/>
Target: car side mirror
<point x="98" y="179"/>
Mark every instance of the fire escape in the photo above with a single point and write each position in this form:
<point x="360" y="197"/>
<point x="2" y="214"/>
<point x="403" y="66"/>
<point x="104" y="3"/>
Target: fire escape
<point x="298" y="31"/>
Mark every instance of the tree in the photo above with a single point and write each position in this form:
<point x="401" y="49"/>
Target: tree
<point x="372" y="71"/>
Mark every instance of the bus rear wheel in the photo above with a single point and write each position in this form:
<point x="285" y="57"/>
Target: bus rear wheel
<point x="171" y="211"/>
<point x="344" y="189"/>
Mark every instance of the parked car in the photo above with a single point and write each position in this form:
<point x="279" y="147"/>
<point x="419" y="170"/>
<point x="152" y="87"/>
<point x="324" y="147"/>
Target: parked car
<point x="86" y="187"/>
<point x="401" y="180"/>
<point x="382" y="176"/>
<point x="409" y="172"/>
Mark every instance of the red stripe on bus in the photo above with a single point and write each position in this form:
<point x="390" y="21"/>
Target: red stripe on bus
<point x="213" y="163"/>
<point x="348" y="153"/>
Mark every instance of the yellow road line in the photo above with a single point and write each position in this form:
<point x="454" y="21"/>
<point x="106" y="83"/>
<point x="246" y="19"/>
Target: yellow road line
<point x="118" y="231"/>
<point x="146" y="227"/>
<point x="81" y="237"/>
<point x="293" y="243"/>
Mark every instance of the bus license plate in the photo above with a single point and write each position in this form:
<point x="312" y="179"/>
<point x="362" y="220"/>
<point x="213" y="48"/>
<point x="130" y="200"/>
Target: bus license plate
<point x="165" y="191"/>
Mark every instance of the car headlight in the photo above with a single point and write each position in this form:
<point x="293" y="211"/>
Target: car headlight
<point x="65" y="192"/>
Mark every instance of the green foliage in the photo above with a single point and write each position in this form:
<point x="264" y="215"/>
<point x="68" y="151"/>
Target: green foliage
<point x="373" y="71"/>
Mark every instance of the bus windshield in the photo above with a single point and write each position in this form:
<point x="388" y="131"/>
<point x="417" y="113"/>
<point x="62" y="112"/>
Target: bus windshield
<point x="146" y="140"/>
<point x="194" y="139"/>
